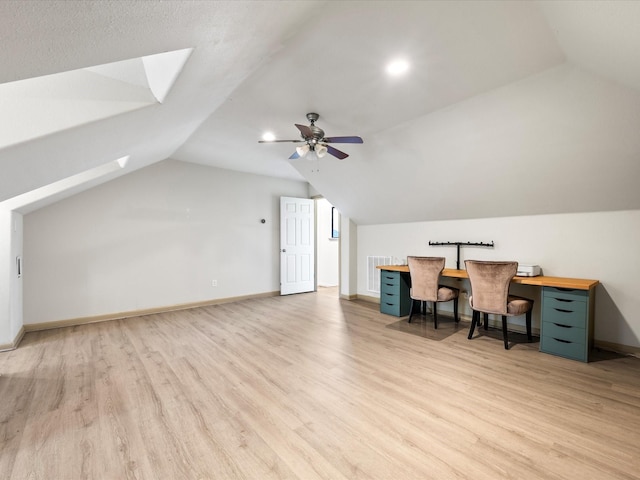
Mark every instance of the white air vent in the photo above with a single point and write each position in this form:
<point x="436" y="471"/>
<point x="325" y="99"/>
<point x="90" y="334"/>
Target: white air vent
<point x="373" y="273"/>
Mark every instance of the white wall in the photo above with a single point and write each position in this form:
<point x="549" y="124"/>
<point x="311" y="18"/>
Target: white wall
<point x="327" y="247"/>
<point x="348" y="258"/>
<point x="156" y="237"/>
<point x="601" y="246"/>
<point x="10" y="284"/>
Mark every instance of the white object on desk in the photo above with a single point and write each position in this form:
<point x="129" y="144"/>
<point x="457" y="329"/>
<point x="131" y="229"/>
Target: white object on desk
<point x="526" y="270"/>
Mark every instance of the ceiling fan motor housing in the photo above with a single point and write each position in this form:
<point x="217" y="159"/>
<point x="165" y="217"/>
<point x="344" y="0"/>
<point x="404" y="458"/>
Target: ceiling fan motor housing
<point x="318" y="133"/>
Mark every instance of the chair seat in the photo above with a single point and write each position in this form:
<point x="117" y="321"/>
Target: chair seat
<point x="515" y="305"/>
<point x="446" y="294"/>
<point x="518" y="306"/>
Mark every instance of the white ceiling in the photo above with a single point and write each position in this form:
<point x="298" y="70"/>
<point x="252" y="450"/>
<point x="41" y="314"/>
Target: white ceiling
<point x="509" y="108"/>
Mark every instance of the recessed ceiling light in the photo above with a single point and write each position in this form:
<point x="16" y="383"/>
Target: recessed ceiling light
<point x="268" y="137"/>
<point x="397" y="67"/>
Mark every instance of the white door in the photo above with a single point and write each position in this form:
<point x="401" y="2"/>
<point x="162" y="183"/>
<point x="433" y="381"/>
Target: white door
<point x="296" y="245"/>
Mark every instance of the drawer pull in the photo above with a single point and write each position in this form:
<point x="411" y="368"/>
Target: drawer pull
<point x="389" y="303"/>
<point x="562" y="310"/>
<point x="561" y="341"/>
<point x="561" y="325"/>
<point x="389" y="284"/>
<point x="563" y="300"/>
<point x="564" y="289"/>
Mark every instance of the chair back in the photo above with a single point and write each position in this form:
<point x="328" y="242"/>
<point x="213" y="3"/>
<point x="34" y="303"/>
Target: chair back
<point x="490" y="284"/>
<point x="425" y="274"/>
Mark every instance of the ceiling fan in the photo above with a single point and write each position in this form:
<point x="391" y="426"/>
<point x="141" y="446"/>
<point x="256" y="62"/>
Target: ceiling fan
<point x="313" y="140"/>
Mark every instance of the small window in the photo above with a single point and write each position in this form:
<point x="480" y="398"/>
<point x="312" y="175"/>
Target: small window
<point x="335" y="223"/>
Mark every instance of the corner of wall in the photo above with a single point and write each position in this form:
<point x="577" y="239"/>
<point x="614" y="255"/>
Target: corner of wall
<point x="348" y="258"/>
<point x="11" y="321"/>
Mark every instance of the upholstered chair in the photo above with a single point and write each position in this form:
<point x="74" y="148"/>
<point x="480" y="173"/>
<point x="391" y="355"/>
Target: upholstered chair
<point x="490" y="295"/>
<point x="425" y="275"/>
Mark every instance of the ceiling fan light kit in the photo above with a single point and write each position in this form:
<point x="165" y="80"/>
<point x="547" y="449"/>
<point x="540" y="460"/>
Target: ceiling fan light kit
<point x="302" y="150"/>
<point x="321" y="150"/>
<point x="313" y="140"/>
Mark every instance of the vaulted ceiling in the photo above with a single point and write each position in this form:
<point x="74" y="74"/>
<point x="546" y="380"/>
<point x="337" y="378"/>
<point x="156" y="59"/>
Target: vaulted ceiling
<point x="508" y="108"/>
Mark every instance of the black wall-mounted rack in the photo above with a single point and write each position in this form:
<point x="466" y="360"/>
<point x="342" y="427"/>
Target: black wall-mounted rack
<point x="462" y="244"/>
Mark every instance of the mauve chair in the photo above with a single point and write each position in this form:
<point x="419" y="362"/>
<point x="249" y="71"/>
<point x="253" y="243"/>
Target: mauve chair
<point x="425" y="275"/>
<point x="490" y="295"/>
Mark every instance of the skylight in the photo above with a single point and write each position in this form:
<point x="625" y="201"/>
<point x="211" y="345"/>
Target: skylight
<point x="40" y="106"/>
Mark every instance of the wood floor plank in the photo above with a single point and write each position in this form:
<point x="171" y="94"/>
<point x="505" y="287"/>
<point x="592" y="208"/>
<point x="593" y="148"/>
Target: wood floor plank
<point x="309" y="387"/>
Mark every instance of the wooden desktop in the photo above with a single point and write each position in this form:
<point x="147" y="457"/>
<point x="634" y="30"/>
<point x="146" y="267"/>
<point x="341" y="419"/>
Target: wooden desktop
<point x="539" y="281"/>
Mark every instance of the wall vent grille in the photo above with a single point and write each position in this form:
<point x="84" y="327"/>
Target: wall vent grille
<point x="373" y="273"/>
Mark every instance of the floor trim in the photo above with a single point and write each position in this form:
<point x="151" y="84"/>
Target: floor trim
<point x="35" y="327"/>
<point x="16" y="341"/>
<point x="617" y="348"/>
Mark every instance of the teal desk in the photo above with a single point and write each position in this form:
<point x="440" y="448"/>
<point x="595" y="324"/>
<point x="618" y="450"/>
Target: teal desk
<point x="567" y="313"/>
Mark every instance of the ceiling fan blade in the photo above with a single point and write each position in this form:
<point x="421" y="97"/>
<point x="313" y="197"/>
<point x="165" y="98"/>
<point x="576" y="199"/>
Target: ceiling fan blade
<point x="336" y="153"/>
<point x="294" y="156"/>
<point x="279" y="141"/>
<point x="305" y="131"/>
<point x="343" y="140"/>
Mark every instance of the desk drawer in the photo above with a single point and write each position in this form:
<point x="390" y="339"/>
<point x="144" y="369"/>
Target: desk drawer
<point x="563" y="348"/>
<point x="566" y="333"/>
<point x="390" y="298"/>
<point x="386" y="287"/>
<point x="390" y="278"/>
<point x="574" y="315"/>
<point x="567" y="294"/>
<point x="395" y="304"/>
<point x="564" y="305"/>
<point x="390" y="308"/>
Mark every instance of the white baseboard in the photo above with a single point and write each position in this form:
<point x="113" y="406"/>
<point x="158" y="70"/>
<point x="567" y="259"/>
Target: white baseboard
<point x="16" y="341"/>
<point x="35" y="327"/>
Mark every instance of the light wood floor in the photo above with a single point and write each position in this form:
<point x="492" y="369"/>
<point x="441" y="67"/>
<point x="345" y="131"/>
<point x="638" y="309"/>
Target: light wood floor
<point x="309" y="387"/>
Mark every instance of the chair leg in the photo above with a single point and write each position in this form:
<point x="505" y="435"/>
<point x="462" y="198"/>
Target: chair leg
<point x="413" y="306"/>
<point x="529" y="336"/>
<point x="474" y="320"/>
<point x="486" y="321"/>
<point x="455" y="310"/>
<point x="504" y="332"/>
<point x="435" y="315"/>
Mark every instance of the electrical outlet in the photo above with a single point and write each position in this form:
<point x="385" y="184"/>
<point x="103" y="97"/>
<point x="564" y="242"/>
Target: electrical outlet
<point x="214" y="283"/>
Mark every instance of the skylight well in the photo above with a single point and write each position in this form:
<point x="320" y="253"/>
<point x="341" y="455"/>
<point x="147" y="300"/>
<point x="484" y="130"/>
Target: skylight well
<point x="40" y="106"/>
<point x="52" y="192"/>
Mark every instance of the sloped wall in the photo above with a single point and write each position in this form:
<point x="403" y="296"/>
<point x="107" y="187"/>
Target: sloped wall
<point x="563" y="141"/>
